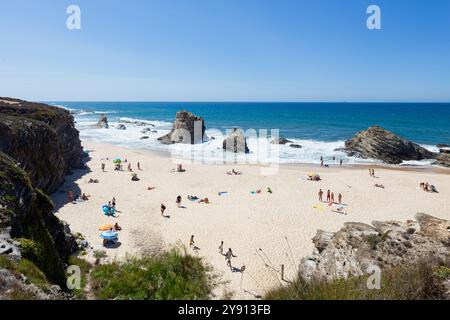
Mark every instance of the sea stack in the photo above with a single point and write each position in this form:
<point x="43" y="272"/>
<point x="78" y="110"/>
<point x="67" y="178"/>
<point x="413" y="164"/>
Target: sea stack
<point x="187" y="128"/>
<point x="381" y="144"/>
<point x="236" y="142"/>
<point x="103" y="121"/>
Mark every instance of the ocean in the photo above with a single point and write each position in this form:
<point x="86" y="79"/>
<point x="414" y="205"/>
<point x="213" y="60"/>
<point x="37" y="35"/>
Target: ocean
<point x="320" y="128"/>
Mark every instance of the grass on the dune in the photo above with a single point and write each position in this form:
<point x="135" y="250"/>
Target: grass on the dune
<point x="419" y="281"/>
<point x="173" y="274"/>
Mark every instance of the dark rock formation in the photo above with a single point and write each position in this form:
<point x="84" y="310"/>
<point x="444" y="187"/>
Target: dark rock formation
<point x="444" y="150"/>
<point x="121" y="126"/>
<point x="358" y="247"/>
<point x="280" y="140"/>
<point x="443" y="145"/>
<point x="296" y="146"/>
<point x="26" y="214"/>
<point x="378" y="143"/>
<point x="103" y="121"/>
<point x="144" y="137"/>
<point x="443" y="160"/>
<point x="42" y="138"/>
<point x="187" y="128"/>
<point x="236" y="142"/>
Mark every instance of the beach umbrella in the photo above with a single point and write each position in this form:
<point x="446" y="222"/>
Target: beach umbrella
<point x="117" y="160"/>
<point x="109" y="235"/>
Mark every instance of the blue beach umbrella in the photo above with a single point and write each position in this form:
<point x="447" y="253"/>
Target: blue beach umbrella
<point x="109" y="235"/>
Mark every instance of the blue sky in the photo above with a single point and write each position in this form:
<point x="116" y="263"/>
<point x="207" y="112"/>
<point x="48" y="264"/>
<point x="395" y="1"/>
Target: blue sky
<point x="225" y="50"/>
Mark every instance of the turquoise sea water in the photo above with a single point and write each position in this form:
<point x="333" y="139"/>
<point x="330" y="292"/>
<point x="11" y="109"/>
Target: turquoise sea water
<point x="319" y="127"/>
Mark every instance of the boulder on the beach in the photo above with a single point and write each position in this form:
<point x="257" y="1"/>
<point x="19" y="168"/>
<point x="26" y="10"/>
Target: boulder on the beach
<point x="444" y="150"/>
<point x="295" y="146"/>
<point x="103" y="121"/>
<point x="443" y="160"/>
<point x="280" y="140"/>
<point x="357" y="247"/>
<point x="187" y="128"/>
<point x="236" y="142"/>
<point x="121" y="126"/>
<point x="381" y="144"/>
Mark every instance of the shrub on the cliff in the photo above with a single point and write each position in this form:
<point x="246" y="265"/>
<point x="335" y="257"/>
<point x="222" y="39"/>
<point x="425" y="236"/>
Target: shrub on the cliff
<point x="418" y="281"/>
<point x="170" y="275"/>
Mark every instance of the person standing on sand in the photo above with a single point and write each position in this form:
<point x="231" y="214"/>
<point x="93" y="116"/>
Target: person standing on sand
<point x="370" y="172"/>
<point x="103" y="167"/>
<point x="191" y="241"/>
<point x="328" y="195"/>
<point x="178" y="201"/>
<point x="340" y="162"/>
<point x="373" y="172"/>
<point x="340" y="198"/>
<point x="163" y="208"/>
<point x="228" y="257"/>
<point x="321" y="163"/>
<point x="139" y="165"/>
<point x="221" y="247"/>
<point x="332" y="198"/>
<point x="320" y="195"/>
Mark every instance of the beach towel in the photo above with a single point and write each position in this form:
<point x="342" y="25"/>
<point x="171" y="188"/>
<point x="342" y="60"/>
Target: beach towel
<point x="319" y="207"/>
<point x="194" y="198"/>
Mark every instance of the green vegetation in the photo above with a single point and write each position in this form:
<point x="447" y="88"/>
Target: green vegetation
<point x="419" y="281"/>
<point x="171" y="275"/>
<point x="32" y="273"/>
<point x="85" y="269"/>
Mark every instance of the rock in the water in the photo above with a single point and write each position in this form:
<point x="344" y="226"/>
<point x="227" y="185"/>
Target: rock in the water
<point x="187" y="128"/>
<point x="236" y="142"/>
<point x="296" y="146"/>
<point x="280" y="140"/>
<point x="121" y="126"/>
<point x="378" y="143"/>
<point x="443" y="145"/>
<point x="145" y="130"/>
<point x="443" y="159"/>
<point x="447" y="150"/>
<point x="103" y="121"/>
<point x="144" y="137"/>
<point x="357" y="247"/>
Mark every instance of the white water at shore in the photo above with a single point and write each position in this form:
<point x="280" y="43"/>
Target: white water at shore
<point x="261" y="151"/>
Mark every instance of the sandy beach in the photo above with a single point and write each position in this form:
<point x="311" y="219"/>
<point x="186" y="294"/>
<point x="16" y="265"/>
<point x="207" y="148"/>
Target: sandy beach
<point x="264" y="230"/>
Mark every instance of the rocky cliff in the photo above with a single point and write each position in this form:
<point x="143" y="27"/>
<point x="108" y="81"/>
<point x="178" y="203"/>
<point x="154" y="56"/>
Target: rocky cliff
<point x="357" y="248"/>
<point x="42" y="138"/>
<point x="39" y="145"/>
<point x="381" y="144"/>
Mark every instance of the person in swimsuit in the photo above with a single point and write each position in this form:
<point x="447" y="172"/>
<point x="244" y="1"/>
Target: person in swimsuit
<point x="320" y="195"/>
<point x="328" y="195"/>
<point x="163" y="208"/>
<point x="178" y="201"/>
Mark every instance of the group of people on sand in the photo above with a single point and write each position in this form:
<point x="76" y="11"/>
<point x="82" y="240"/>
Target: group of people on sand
<point x="234" y="173"/>
<point x="71" y="197"/>
<point x="330" y="197"/>
<point x="425" y="186"/>
<point x="322" y="164"/>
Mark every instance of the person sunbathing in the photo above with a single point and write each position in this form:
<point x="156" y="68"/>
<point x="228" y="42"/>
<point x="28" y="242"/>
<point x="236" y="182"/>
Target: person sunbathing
<point x="134" y="177"/>
<point x="151" y="188"/>
<point x="379" y="185"/>
<point x="192" y="198"/>
<point x="117" y="227"/>
<point x="93" y="180"/>
<point x="204" y="200"/>
<point x="84" y="197"/>
<point x="234" y="172"/>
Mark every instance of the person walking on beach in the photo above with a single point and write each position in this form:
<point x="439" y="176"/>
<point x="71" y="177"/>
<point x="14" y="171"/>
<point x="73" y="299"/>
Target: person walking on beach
<point x="340" y="162"/>
<point x="373" y="172"/>
<point x="332" y="198"/>
<point x="178" y="201"/>
<point x="191" y="241"/>
<point x="328" y="195"/>
<point x="340" y="198"/>
<point x="163" y="208"/>
<point x="321" y="162"/>
<point x="103" y="167"/>
<point x="320" y="195"/>
<point x="228" y="257"/>
<point x="113" y="202"/>
<point x="221" y="247"/>
<point x="370" y="172"/>
<point x="139" y="165"/>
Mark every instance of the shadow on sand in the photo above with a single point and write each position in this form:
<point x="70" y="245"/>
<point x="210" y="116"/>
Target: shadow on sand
<point x="59" y="197"/>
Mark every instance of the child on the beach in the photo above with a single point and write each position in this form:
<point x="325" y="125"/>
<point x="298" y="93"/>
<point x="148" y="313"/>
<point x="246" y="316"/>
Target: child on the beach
<point x="178" y="201"/>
